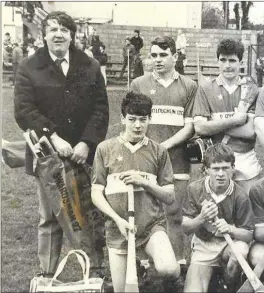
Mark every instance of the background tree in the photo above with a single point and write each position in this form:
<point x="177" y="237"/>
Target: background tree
<point x="226" y="13"/>
<point x="237" y="16"/>
<point x="212" y="16"/>
<point x="245" y="5"/>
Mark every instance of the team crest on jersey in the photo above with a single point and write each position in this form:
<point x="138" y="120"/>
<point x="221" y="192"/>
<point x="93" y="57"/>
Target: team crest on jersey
<point x="119" y="158"/>
<point x="152" y="92"/>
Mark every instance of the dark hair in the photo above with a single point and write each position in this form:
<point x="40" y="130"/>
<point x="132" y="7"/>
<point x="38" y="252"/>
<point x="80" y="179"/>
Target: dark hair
<point x="136" y="31"/>
<point x="230" y="47"/>
<point x="217" y="153"/>
<point x="7" y="34"/>
<point x="62" y="19"/>
<point x="128" y="38"/>
<point x="164" y="43"/>
<point x="136" y="104"/>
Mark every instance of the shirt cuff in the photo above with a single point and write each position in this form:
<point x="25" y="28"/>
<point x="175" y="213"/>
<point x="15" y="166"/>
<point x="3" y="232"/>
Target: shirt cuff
<point x="199" y="118"/>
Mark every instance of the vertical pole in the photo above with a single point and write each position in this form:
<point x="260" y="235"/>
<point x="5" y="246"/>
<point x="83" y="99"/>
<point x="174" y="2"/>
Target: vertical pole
<point x="128" y="69"/>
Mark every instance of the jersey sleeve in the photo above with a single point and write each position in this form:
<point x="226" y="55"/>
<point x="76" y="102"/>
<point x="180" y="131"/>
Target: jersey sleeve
<point x="260" y="104"/>
<point x="99" y="171"/>
<point x="134" y="87"/>
<point x="165" y="173"/>
<point x="201" y="106"/>
<point x="244" y="217"/>
<point x="192" y="89"/>
<point x="257" y="201"/>
<point x="252" y="108"/>
<point x="189" y="206"/>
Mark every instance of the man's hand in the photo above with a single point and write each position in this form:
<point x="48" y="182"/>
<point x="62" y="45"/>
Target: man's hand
<point x="209" y="211"/>
<point x="80" y="153"/>
<point x="61" y="146"/>
<point x="222" y="227"/>
<point x="240" y="118"/>
<point x="133" y="177"/>
<point x="124" y="227"/>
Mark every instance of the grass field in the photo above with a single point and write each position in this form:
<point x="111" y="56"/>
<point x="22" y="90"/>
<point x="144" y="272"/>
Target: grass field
<point x="20" y="206"/>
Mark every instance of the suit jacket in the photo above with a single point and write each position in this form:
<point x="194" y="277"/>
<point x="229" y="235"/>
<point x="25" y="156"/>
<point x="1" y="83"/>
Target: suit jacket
<point x="75" y="106"/>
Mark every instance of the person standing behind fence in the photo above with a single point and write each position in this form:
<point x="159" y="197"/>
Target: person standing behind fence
<point x="61" y="90"/>
<point x="102" y="58"/>
<point x="137" y="41"/>
<point x="129" y="53"/>
<point x="260" y="70"/>
<point x="17" y="57"/>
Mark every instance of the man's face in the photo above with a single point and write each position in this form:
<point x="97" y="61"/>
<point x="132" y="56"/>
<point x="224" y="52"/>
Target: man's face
<point x="135" y="126"/>
<point x="229" y="66"/>
<point x="127" y="42"/>
<point x="58" y="38"/>
<point x="220" y="175"/>
<point x="163" y="60"/>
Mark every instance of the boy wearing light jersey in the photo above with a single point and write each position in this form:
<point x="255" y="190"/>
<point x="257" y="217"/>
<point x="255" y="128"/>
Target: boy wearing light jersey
<point x="132" y="158"/>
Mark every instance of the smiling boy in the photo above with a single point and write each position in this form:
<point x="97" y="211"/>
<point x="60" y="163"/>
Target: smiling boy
<point x="215" y="112"/>
<point x="171" y="125"/>
<point x="216" y="195"/>
<point x="132" y="158"/>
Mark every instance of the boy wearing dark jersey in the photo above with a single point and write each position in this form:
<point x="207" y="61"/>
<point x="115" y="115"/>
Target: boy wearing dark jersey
<point x="216" y="195"/>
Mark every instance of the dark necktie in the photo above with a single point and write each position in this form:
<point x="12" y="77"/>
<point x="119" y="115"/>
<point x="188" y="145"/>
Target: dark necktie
<point x="58" y="63"/>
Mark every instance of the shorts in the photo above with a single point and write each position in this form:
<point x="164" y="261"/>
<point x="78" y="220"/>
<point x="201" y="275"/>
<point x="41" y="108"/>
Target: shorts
<point x="207" y="253"/>
<point x="140" y="247"/>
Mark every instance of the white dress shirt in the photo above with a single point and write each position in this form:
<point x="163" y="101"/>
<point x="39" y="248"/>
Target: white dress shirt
<point x="65" y="64"/>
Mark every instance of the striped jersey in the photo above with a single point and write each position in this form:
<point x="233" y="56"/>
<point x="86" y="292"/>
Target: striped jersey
<point x="214" y="102"/>
<point x="172" y="108"/>
<point x="151" y="161"/>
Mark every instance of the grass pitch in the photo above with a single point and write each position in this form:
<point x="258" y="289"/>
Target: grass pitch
<point x="20" y="207"/>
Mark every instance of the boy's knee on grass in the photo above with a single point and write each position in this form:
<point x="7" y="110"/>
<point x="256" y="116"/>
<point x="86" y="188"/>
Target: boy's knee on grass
<point x="168" y="269"/>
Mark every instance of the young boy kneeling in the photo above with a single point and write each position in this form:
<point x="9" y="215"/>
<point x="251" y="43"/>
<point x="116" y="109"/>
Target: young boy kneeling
<point x="132" y="158"/>
<point x="216" y="195"/>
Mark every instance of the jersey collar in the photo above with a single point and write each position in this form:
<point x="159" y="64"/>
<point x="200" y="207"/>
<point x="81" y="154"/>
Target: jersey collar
<point x="165" y="83"/>
<point x="131" y="147"/>
<point x="220" y="197"/>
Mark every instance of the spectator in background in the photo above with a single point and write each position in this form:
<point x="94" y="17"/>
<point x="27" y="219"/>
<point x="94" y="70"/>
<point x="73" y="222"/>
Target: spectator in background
<point x="17" y="57"/>
<point x="147" y="65"/>
<point x="30" y="49"/>
<point x="260" y="70"/>
<point x="181" y="41"/>
<point x="102" y="58"/>
<point x="96" y="44"/>
<point x="88" y="51"/>
<point x="7" y="40"/>
<point x="80" y="35"/>
<point x="28" y="40"/>
<point x="129" y="53"/>
<point x="181" y="62"/>
<point x="137" y="41"/>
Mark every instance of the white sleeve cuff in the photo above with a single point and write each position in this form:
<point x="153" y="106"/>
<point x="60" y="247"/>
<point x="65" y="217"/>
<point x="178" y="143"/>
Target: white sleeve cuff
<point x="97" y="187"/>
<point x="199" y="118"/>
<point x="188" y="120"/>
<point x="252" y="115"/>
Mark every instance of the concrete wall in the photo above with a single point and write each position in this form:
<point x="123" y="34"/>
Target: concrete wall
<point x="113" y="37"/>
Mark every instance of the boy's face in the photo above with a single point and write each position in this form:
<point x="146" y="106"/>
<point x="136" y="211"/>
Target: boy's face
<point x="229" y="66"/>
<point x="220" y="174"/>
<point x="163" y="60"/>
<point x="135" y="126"/>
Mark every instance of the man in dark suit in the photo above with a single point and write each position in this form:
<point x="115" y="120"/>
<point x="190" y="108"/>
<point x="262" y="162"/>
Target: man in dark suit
<point x="61" y="90"/>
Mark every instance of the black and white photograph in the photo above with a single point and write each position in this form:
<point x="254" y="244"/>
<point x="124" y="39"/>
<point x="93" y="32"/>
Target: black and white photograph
<point x="132" y="146"/>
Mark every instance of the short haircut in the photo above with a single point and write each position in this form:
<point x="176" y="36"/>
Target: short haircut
<point x="230" y="47"/>
<point x="136" y="31"/>
<point x="62" y="19"/>
<point x="164" y="43"/>
<point x="136" y="104"/>
<point x="217" y="153"/>
<point x="128" y="38"/>
<point x="7" y="34"/>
